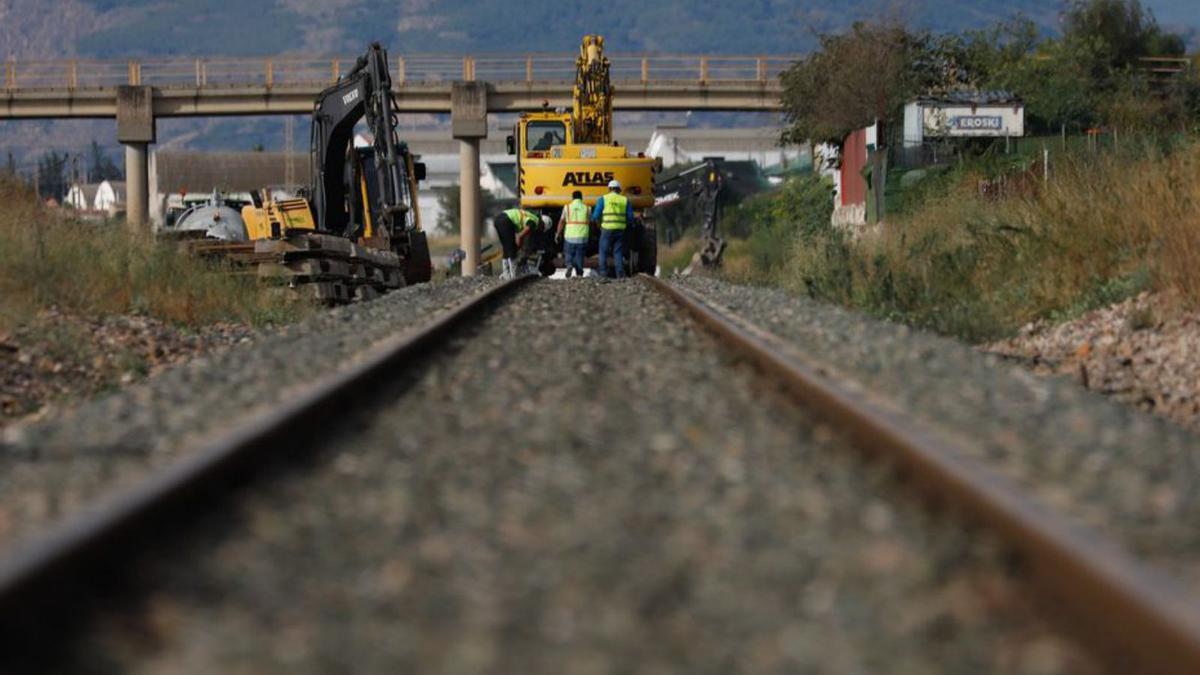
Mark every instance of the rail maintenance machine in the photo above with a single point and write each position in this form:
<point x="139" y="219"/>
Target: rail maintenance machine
<point x="559" y="152"/>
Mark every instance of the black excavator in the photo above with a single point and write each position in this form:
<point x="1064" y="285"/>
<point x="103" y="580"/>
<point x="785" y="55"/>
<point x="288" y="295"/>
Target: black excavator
<point x="700" y="186"/>
<point x="367" y="195"/>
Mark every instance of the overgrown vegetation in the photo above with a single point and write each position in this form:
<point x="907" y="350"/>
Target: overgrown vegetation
<point x="50" y="260"/>
<point x="979" y="265"/>
<point x="770" y="222"/>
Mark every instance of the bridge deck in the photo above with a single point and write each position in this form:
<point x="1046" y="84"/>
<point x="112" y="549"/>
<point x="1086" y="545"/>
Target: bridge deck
<point x="288" y="85"/>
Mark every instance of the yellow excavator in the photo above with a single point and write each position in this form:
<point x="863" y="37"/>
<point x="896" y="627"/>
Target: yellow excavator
<point x="559" y="152"/>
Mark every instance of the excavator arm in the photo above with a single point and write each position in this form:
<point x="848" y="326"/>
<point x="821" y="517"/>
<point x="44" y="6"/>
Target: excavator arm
<point x="700" y="185"/>
<point x="593" y="94"/>
<point x="363" y="92"/>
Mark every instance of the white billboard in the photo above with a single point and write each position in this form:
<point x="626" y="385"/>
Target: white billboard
<point x="958" y="120"/>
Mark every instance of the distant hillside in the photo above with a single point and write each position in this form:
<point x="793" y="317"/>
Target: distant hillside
<point x="123" y="28"/>
<point x="119" y="28"/>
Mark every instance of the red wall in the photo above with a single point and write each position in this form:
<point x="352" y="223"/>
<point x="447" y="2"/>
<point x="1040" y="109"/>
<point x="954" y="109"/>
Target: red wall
<point x="854" y="160"/>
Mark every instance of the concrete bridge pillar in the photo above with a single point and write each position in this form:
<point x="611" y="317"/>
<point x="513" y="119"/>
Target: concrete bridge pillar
<point x="137" y="185"/>
<point x="136" y="131"/>
<point x="468" y="121"/>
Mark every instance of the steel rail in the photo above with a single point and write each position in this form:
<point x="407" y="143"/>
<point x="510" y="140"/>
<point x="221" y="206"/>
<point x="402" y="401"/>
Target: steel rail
<point x="81" y="549"/>
<point x="1142" y="620"/>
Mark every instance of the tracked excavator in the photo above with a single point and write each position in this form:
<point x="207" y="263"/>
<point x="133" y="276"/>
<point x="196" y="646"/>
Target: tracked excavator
<point x="357" y="230"/>
<point x="559" y="152"/>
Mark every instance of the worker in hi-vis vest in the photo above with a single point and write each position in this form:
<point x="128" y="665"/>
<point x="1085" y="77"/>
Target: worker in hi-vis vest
<point x="614" y="213"/>
<point x="573" y="227"/>
<point x="512" y="228"/>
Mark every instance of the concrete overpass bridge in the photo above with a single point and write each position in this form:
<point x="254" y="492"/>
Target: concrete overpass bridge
<point x="423" y="84"/>
<point x="138" y="92"/>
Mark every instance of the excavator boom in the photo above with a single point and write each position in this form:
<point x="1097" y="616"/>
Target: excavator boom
<point x="364" y="92"/>
<point x="593" y="94"/>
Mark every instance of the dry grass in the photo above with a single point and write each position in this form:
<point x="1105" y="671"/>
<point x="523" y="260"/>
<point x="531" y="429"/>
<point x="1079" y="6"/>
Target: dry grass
<point x="48" y="259"/>
<point x="1104" y="227"/>
<point x="677" y="256"/>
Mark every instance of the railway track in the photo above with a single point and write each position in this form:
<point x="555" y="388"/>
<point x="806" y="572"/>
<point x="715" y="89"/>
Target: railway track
<point x="1132" y="616"/>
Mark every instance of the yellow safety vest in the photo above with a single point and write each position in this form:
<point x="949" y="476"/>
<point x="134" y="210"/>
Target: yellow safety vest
<point x="613" y="216"/>
<point x="577" y="221"/>
<point x="521" y="218"/>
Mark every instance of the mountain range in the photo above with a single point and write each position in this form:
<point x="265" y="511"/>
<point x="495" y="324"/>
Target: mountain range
<point x="123" y="28"/>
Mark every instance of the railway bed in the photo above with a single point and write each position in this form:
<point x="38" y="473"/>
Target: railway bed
<point x="575" y="479"/>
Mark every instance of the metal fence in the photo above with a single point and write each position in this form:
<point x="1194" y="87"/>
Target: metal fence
<point x="417" y="69"/>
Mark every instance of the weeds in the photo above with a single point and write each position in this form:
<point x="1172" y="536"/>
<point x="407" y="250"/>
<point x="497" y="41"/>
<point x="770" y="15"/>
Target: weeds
<point x="979" y="266"/>
<point x="50" y="260"/>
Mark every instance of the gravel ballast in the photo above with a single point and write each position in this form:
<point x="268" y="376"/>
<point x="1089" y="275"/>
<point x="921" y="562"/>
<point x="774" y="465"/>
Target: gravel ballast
<point x="1141" y="352"/>
<point x="1128" y="475"/>
<point x="54" y="359"/>
<point x="583" y="483"/>
<point x="49" y="469"/>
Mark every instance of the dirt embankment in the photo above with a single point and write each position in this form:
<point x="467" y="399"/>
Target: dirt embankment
<point x="1144" y="351"/>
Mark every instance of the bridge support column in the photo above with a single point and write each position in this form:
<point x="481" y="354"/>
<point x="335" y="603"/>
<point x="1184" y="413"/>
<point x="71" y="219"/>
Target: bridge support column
<point x="137" y="184"/>
<point x="136" y="131"/>
<point x="469" y="203"/>
<point x="468" y="121"/>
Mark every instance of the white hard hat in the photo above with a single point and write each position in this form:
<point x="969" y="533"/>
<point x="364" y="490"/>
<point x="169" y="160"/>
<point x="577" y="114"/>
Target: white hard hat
<point x="614" y="184"/>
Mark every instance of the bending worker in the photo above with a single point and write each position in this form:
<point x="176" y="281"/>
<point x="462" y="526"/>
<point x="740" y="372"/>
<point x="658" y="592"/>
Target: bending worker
<point x="512" y="228"/>
<point x="614" y="213"/>
<point x="573" y="226"/>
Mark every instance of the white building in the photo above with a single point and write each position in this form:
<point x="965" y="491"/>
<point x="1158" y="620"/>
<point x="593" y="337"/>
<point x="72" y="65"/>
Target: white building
<point x="82" y="196"/>
<point x="110" y="197"/>
<point x="684" y="145"/>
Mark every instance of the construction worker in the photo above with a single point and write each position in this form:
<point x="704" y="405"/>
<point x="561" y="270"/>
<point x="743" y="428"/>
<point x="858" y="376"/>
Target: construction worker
<point x="573" y="226"/>
<point x="513" y="226"/>
<point x="614" y="213"/>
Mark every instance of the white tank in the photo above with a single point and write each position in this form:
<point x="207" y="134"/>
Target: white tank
<point x="213" y="220"/>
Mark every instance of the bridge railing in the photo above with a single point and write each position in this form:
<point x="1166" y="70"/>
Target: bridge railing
<point x="409" y="69"/>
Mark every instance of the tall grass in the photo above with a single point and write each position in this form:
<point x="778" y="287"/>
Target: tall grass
<point x="1105" y="226"/>
<point x="49" y="259"/>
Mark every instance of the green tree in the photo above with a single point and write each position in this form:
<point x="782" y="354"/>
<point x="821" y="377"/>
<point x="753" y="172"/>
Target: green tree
<point x="100" y="165"/>
<point x="852" y="80"/>
<point x="52" y="175"/>
<point x="1121" y="32"/>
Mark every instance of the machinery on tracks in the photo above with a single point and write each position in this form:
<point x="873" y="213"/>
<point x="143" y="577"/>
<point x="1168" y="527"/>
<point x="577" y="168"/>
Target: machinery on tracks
<point x="356" y="231"/>
<point x="559" y="152"/>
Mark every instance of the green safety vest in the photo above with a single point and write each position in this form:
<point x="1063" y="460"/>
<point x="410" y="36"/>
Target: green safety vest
<point x="613" y="216"/>
<point x="521" y="218"/>
<point x="577" y="221"/>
